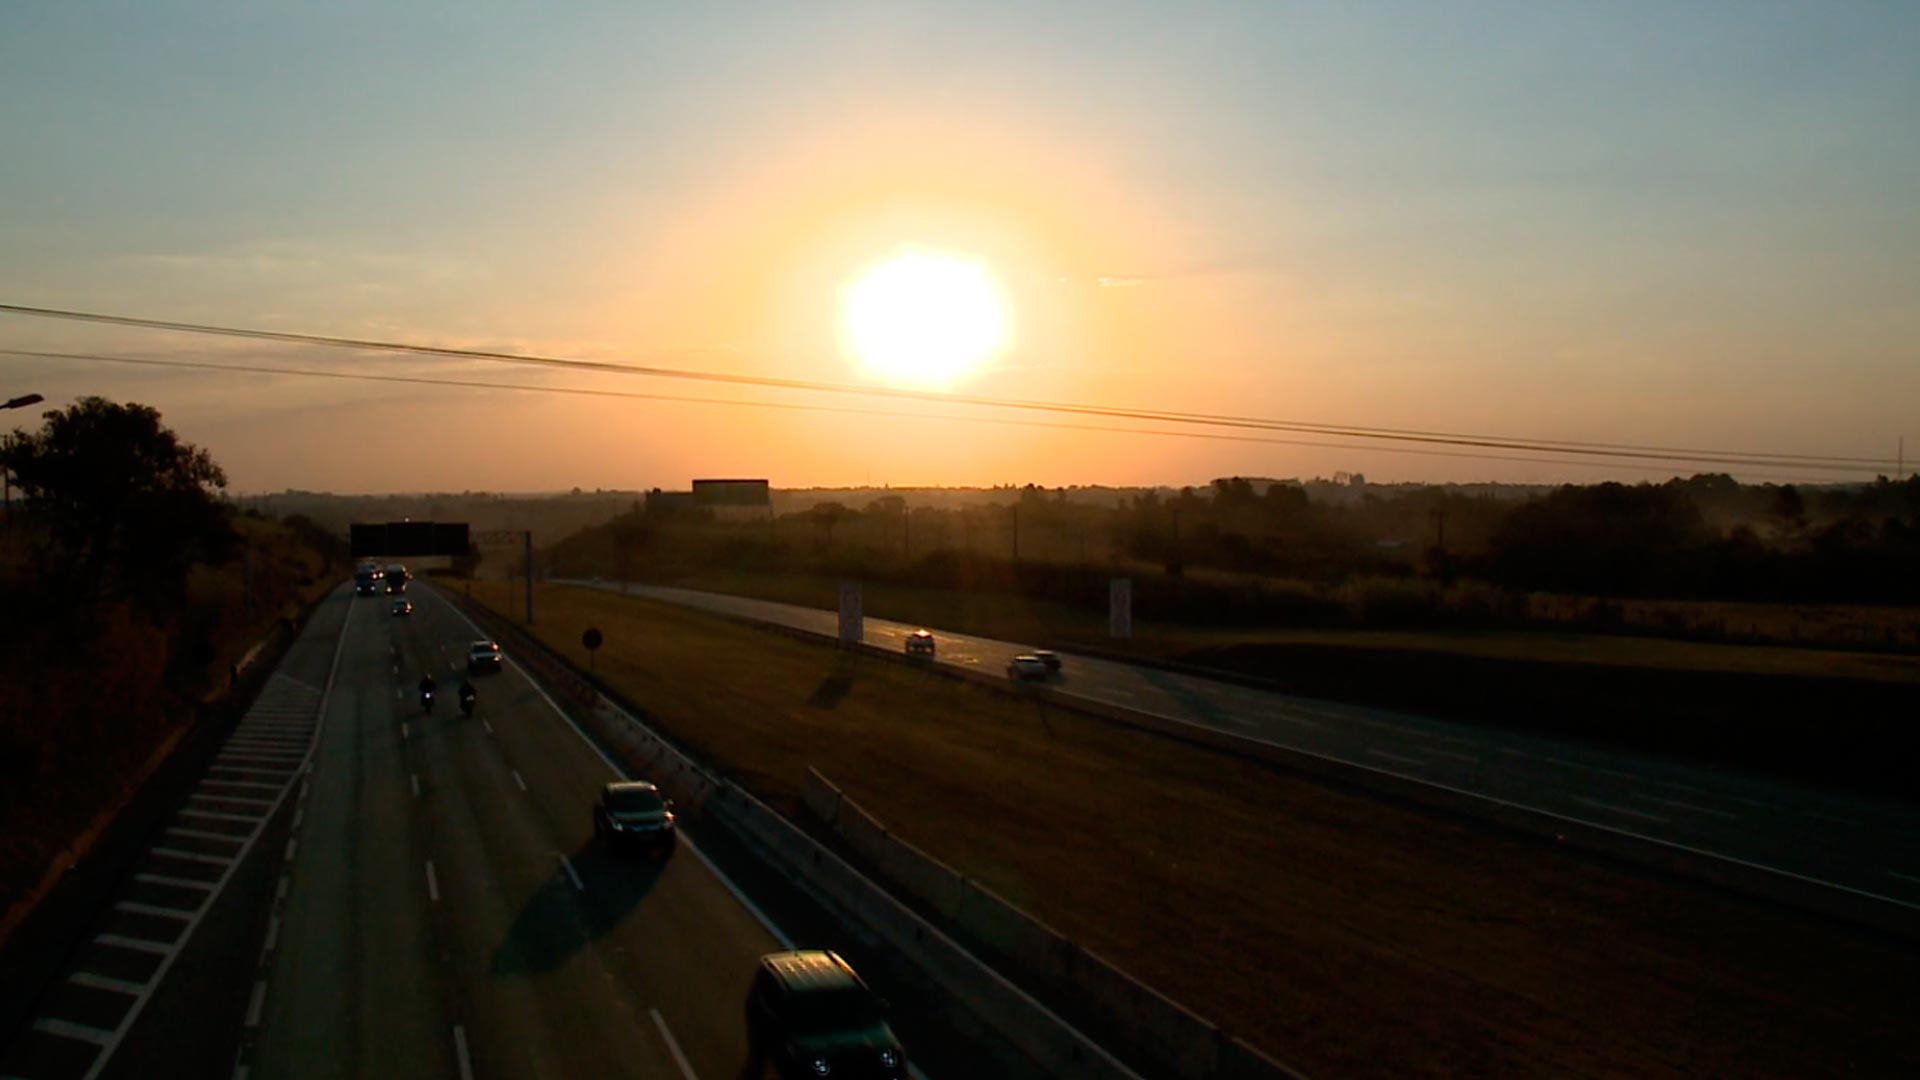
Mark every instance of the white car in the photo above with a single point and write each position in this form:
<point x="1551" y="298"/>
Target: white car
<point x="1026" y="667"/>
<point x="483" y="656"/>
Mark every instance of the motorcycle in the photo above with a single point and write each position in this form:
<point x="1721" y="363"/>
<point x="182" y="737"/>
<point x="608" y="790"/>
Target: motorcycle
<point x="426" y="701"/>
<point x="467" y="703"/>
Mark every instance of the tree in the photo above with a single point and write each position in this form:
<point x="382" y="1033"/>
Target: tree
<point x="124" y="507"/>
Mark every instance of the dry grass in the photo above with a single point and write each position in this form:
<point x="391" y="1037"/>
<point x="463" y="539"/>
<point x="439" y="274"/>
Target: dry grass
<point x="1347" y="935"/>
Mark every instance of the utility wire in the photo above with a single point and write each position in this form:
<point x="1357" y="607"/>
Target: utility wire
<point x="257" y="369"/>
<point x="1737" y="458"/>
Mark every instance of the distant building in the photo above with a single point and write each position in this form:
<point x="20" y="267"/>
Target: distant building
<point x="668" y="503"/>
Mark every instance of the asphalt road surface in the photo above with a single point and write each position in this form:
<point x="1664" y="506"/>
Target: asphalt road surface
<point x="1867" y="846"/>
<point x="448" y="913"/>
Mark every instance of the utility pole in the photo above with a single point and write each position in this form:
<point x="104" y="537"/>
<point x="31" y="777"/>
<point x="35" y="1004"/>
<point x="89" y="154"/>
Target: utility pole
<point x="529" y="537"/>
<point x="906" y="532"/>
<point x="1016" y="532"/>
<point x="1440" y="530"/>
<point x="246" y="578"/>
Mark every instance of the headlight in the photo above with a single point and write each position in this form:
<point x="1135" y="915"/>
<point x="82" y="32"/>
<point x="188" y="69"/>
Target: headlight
<point x="889" y="1058"/>
<point x="615" y="823"/>
<point x="820" y="1067"/>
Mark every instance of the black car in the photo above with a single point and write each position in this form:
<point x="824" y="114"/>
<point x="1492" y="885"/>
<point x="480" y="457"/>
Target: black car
<point x="809" y="1015"/>
<point x="634" y="814"/>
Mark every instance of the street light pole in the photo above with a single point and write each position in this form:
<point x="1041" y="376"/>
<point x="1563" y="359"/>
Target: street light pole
<point x="6" y="477"/>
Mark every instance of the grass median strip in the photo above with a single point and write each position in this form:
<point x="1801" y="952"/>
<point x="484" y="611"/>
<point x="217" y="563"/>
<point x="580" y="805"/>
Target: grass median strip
<point x="1345" y="934"/>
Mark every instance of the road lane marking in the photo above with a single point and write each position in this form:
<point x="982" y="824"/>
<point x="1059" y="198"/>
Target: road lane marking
<point x="176" y="882"/>
<point x="415" y="779"/>
<point x="121" y="941"/>
<point x="67" y="1029"/>
<point x="405" y="732"/>
<point x="486" y="725"/>
<point x="256" y="1003"/>
<point x="1395" y="757"/>
<point x="273" y="933"/>
<point x="1471" y="759"/>
<point x="248" y="784"/>
<point x="460" y="1052"/>
<point x="202" y="834"/>
<point x="673" y="1046"/>
<point x="517" y="780"/>
<point x="1690" y="806"/>
<point x="217" y="816"/>
<point x="1905" y="877"/>
<point x="1834" y="819"/>
<point x="299" y="815"/>
<point x="290" y="849"/>
<point x="1619" y="809"/>
<point x="686" y="842"/>
<point x="280" y="890"/>
<point x="191" y="856"/>
<point x="568" y="865"/>
<point x="433" y="883"/>
<point x="101" y="982"/>
<point x="247" y="799"/>
<point x="155" y="909"/>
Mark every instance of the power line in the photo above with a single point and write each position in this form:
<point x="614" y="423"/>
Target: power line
<point x="474" y="384"/>
<point x="1736" y="458"/>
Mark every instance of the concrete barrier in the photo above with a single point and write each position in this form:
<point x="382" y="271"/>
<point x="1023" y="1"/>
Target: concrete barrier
<point x="861" y="831"/>
<point x="1164" y="1029"/>
<point x="1039" y="950"/>
<point x="924" y="877"/>
<point x="819" y="796"/>
<point x="975" y="988"/>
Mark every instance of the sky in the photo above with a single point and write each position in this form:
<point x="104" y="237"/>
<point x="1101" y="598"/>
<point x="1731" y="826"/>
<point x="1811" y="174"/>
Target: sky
<point x="1688" y="225"/>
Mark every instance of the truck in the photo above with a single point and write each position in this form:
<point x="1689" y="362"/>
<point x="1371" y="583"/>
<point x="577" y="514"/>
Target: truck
<point x="366" y="579"/>
<point x="396" y="578"/>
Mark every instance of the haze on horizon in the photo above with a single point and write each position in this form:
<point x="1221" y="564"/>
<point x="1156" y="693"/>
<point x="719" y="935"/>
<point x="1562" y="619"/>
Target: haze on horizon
<point x="1611" y="222"/>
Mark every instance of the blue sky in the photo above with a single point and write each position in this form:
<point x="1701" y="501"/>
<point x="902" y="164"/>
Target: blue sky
<point x="1690" y="224"/>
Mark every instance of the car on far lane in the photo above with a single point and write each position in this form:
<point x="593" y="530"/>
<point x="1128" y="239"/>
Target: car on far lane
<point x="484" y="656"/>
<point x="1026" y="666"/>
<point x="1050" y="659"/>
<point x="920" y="643"/>
<point x="809" y="1015"/>
<point x="403" y="607"/>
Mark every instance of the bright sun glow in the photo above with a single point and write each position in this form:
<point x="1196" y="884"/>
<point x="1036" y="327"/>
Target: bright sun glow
<point x="923" y="319"/>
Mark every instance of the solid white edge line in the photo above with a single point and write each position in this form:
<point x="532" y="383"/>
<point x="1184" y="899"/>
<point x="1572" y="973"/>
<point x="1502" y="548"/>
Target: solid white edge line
<point x="414" y="778"/>
<point x="518" y="780"/>
<point x="433" y="883"/>
<point x="567" y="865"/>
<point x="673" y="1046"/>
<point x="460" y="1052"/>
<point x="686" y="842"/>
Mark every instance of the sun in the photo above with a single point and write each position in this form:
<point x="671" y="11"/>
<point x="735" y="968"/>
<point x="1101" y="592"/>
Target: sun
<point x="922" y="318"/>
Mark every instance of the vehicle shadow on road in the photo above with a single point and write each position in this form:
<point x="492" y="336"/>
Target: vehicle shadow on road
<point x="560" y="919"/>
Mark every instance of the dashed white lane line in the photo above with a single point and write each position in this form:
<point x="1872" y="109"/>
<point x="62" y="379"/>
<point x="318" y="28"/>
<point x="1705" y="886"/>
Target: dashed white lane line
<point x="299" y="815"/>
<point x="203" y="834"/>
<point x="273" y="933"/>
<point x="154" y="909"/>
<point x="460" y="1052"/>
<point x="486" y="725"/>
<point x="67" y="1029"/>
<point x="1395" y="757"/>
<point x="177" y="882"/>
<point x="291" y="848"/>
<point x="414" y="778"/>
<point x="136" y="944"/>
<point x="517" y="780"/>
<point x="433" y="883"/>
<point x="673" y="1046"/>
<point x="1904" y="877"/>
<point x="405" y="731"/>
<point x="191" y="856"/>
<point x="1627" y="810"/>
<point x="1471" y="759"/>
<point x="567" y="864"/>
<point x="257" y="1003"/>
<point x="1697" y="808"/>
<point x="101" y="982"/>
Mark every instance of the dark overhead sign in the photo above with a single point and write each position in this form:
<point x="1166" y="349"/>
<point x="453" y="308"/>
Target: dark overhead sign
<point x="409" y="538"/>
<point x="730" y="493"/>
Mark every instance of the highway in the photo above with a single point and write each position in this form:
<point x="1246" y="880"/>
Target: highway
<point x="448" y="913"/>
<point x="1855" y="843"/>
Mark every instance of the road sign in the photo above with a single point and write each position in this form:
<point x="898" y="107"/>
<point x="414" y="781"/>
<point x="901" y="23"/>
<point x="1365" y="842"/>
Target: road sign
<point x="591" y="639"/>
<point x="1120" y="607"/>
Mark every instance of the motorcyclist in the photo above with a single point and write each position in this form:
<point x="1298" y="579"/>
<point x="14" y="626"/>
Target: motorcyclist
<point x="466" y="697"/>
<point x="426" y="691"/>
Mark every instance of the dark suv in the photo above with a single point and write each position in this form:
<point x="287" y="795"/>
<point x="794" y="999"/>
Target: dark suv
<point x="809" y="1015"/>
